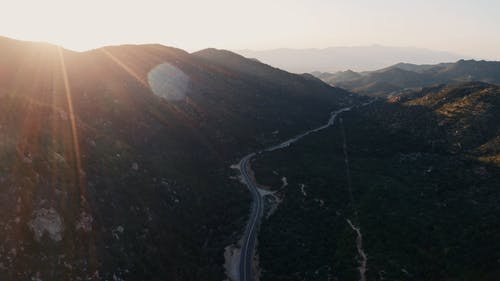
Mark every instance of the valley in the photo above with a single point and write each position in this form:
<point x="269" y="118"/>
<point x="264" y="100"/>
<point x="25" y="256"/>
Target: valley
<point x="251" y="232"/>
<point x="115" y="164"/>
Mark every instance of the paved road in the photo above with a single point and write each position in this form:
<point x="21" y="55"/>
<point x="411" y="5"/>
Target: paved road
<point x="246" y="257"/>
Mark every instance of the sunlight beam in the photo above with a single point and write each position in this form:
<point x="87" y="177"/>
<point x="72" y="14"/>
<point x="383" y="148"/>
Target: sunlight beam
<point x="74" y="132"/>
<point x="126" y="68"/>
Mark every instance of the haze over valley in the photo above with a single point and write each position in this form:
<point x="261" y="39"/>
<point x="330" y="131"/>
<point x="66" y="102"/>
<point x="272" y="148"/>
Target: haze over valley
<point x="359" y="58"/>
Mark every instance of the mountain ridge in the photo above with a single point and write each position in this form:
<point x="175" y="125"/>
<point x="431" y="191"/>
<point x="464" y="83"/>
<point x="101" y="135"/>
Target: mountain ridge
<point x="100" y="173"/>
<point x="402" y="76"/>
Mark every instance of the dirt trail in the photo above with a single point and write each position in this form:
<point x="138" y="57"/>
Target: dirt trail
<point x="359" y="245"/>
<point x="359" y="237"/>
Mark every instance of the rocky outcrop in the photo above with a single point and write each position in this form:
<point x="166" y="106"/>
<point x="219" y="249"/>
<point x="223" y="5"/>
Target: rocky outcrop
<point x="47" y="221"/>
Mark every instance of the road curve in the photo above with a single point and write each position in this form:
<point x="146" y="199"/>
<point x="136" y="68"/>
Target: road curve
<point x="250" y="236"/>
<point x="248" y="246"/>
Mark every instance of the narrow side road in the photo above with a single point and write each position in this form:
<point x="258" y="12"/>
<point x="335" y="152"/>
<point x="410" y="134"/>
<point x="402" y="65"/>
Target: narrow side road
<point x="362" y="255"/>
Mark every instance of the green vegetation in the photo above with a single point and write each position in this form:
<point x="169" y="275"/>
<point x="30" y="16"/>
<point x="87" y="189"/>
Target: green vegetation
<point x="427" y="209"/>
<point x="138" y="187"/>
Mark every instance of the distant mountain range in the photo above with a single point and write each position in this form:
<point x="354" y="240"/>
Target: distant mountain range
<point x="362" y="58"/>
<point x="404" y="76"/>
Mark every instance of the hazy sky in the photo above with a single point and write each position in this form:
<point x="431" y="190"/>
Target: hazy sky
<point x="468" y="27"/>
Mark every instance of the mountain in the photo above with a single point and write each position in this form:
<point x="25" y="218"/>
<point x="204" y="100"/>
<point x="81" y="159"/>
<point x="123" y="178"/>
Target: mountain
<point x="399" y="189"/>
<point x="402" y="76"/>
<point x="471" y="70"/>
<point x="339" y="76"/>
<point x="332" y="59"/>
<point x="419" y="68"/>
<point x="115" y="163"/>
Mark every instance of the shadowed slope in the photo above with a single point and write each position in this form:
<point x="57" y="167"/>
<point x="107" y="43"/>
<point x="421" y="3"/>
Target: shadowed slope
<point x="129" y="181"/>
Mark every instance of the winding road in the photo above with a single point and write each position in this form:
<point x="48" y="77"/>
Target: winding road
<point x="246" y="256"/>
<point x="250" y="236"/>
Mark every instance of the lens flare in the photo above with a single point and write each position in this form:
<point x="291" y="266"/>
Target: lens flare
<point x="169" y="82"/>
